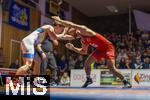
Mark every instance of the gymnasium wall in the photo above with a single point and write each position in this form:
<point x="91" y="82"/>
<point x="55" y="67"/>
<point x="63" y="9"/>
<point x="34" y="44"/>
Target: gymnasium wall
<point x="10" y="32"/>
<point x="104" y="24"/>
<point x="113" y="23"/>
<point x="80" y="18"/>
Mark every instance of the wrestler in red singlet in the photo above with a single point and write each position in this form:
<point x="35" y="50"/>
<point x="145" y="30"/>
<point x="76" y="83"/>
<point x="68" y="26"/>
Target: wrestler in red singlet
<point x="104" y="48"/>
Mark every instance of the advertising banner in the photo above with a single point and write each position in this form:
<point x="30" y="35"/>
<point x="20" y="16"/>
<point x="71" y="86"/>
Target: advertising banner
<point x="19" y="16"/>
<point x="141" y="78"/>
<point x="78" y="77"/>
<point x="108" y="79"/>
<point x="103" y="77"/>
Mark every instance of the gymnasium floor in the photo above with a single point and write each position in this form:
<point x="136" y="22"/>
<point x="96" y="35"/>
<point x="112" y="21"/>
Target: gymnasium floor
<point x="99" y="93"/>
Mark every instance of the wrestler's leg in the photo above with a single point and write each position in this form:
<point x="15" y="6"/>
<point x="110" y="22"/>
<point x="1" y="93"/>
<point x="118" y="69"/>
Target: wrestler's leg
<point x="110" y="56"/>
<point x="26" y="66"/>
<point x="113" y="69"/>
<point x="88" y="63"/>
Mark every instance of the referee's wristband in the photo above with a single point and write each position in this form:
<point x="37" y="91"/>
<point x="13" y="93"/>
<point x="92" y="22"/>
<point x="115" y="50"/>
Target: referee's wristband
<point x="41" y="52"/>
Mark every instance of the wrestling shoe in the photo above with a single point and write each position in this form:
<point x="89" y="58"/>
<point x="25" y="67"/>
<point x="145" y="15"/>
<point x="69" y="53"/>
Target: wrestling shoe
<point x="126" y="84"/>
<point x="88" y="82"/>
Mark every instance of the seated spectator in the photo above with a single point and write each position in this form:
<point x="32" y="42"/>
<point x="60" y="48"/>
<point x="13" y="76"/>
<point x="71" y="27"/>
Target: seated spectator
<point x="122" y="55"/>
<point x="138" y="54"/>
<point x="138" y="64"/>
<point x="128" y="63"/>
<point x="101" y="64"/>
<point x="117" y="65"/>
<point x="122" y="64"/>
<point x="15" y="65"/>
<point x="94" y="65"/>
<point x="65" y="79"/>
<point x="79" y="62"/>
<point x="71" y="63"/>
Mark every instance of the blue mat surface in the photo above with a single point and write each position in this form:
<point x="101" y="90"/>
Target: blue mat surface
<point x="99" y="93"/>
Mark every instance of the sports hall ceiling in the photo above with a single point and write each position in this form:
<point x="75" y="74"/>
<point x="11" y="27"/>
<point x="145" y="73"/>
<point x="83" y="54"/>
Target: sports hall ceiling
<point x="93" y="8"/>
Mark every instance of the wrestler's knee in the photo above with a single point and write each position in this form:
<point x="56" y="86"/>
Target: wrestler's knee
<point x="29" y="63"/>
<point x="26" y="67"/>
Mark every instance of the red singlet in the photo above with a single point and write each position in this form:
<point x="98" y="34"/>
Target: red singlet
<point x="104" y="48"/>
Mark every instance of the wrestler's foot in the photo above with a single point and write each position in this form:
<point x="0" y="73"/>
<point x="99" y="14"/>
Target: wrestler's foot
<point x="126" y="84"/>
<point x="88" y="82"/>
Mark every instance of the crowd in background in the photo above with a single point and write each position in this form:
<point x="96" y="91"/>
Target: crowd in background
<point x="132" y="50"/>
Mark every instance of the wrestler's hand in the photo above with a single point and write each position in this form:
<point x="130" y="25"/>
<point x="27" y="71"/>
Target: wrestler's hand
<point x="69" y="46"/>
<point x="57" y="18"/>
<point x="44" y="56"/>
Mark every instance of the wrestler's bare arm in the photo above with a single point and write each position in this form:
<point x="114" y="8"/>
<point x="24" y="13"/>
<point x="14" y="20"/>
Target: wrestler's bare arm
<point x="64" y="35"/>
<point x="59" y="36"/>
<point x="76" y="26"/>
<point x="83" y="50"/>
<point x="39" y="48"/>
<point x="68" y="23"/>
<point x="51" y="33"/>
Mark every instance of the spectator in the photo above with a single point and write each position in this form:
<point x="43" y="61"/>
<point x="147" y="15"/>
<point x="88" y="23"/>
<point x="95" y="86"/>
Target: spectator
<point x="137" y="44"/>
<point x="95" y="65"/>
<point x="122" y="63"/>
<point x="65" y="79"/>
<point x="138" y="54"/>
<point x="117" y="65"/>
<point x="147" y="62"/>
<point x="15" y="65"/>
<point x="122" y="55"/>
<point x="101" y="64"/>
<point x="79" y="63"/>
<point x="71" y="63"/>
<point x="128" y="63"/>
<point x="138" y="64"/>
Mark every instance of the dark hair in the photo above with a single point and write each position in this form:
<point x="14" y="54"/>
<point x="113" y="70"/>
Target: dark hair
<point x="54" y="24"/>
<point x="75" y="35"/>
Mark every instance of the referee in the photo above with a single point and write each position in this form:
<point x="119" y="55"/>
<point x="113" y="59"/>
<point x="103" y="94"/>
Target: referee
<point x="47" y="58"/>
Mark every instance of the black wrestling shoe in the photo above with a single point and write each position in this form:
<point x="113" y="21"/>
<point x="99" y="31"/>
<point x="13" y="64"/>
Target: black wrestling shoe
<point x="126" y="84"/>
<point x="88" y="82"/>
